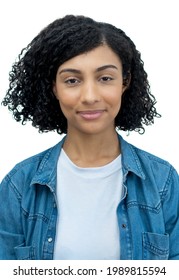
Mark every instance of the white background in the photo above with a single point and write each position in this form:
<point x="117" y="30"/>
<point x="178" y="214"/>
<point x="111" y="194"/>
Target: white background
<point x="153" y="25"/>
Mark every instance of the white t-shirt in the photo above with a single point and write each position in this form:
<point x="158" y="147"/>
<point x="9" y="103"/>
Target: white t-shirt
<point x="87" y="225"/>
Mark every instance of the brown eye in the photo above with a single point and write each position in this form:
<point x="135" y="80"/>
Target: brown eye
<point x="72" y="81"/>
<point x="106" y="79"/>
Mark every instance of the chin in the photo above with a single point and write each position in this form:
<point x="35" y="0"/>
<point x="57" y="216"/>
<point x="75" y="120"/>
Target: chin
<point x="93" y="130"/>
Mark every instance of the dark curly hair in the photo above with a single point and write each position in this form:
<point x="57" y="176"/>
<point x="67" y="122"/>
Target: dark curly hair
<point x="30" y="95"/>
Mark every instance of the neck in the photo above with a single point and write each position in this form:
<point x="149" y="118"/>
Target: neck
<point x="87" y="150"/>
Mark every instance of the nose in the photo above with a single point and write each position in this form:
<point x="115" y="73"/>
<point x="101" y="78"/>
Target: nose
<point x="90" y="93"/>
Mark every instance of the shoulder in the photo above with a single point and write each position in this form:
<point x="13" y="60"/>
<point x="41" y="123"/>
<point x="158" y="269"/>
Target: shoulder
<point x="31" y="163"/>
<point x="148" y="165"/>
<point x="41" y="163"/>
<point x="151" y="159"/>
<point x="157" y="163"/>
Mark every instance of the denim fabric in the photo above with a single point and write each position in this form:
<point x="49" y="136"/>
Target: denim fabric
<point x="148" y="214"/>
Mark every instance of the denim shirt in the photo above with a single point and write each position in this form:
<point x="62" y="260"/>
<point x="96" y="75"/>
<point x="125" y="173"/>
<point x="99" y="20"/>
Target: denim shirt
<point x="148" y="214"/>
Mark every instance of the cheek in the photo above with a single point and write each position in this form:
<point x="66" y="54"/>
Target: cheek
<point x="114" y="98"/>
<point x="67" y="100"/>
<point x="67" y="104"/>
<point x="67" y="97"/>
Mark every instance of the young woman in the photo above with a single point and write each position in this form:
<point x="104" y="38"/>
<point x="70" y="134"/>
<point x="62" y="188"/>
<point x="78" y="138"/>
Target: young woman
<point x="93" y="195"/>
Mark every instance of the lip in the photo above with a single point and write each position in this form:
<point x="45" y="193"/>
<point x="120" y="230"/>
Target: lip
<point x="91" y="114"/>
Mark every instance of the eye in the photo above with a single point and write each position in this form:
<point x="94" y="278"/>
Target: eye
<point x="106" y="79"/>
<point x="72" y="81"/>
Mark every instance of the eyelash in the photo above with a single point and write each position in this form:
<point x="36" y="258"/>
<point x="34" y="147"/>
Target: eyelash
<point x="69" y="81"/>
<point x="106" y="78"/>
<point x="74" y="81"/>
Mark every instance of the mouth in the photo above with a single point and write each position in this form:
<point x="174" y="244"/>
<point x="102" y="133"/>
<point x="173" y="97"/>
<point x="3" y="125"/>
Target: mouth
<point x="91" y="114"/>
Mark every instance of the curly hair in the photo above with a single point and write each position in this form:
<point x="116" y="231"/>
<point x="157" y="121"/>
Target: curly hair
<point x="30" y="95"/>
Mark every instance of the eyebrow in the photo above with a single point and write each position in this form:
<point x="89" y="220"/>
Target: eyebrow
<point x="76" y="71"/>
<point x="106" y="67"/>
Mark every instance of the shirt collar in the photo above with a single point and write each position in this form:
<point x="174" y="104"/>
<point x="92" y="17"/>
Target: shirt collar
<point x="47" y="171"/>
<point x="130" y="158"/>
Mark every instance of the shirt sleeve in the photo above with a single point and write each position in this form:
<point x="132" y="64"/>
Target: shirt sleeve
<point x="171" y="213"/>
<point x="11" y="233"/>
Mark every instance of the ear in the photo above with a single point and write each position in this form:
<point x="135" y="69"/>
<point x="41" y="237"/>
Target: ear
<point x="126" y="81"/>
<point x="54" y="89"/>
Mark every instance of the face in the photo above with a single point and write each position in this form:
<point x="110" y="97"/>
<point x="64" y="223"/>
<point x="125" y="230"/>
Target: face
<point x="89" y="88"/>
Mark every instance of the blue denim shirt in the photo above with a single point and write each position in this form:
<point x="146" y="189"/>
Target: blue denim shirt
<point x="148" y="214"/>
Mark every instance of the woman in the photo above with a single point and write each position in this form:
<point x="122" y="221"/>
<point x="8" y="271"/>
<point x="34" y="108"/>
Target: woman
<point x="93" y="195"/>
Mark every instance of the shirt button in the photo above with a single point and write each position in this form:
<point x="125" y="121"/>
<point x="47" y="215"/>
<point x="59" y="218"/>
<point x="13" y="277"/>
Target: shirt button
<point x="124" y="226"/>
<point x="50" y="239"/>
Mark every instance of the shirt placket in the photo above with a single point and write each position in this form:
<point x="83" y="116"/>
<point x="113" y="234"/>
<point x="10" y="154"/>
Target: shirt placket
<point x="48" y="249"/>
<point x="124" y="227"/>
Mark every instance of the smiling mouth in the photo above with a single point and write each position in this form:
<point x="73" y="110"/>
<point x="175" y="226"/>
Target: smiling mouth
<point x="91" y="114"/>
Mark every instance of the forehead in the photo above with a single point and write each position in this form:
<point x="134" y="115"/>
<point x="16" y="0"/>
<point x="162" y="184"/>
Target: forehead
<point x="102" y="55"/>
